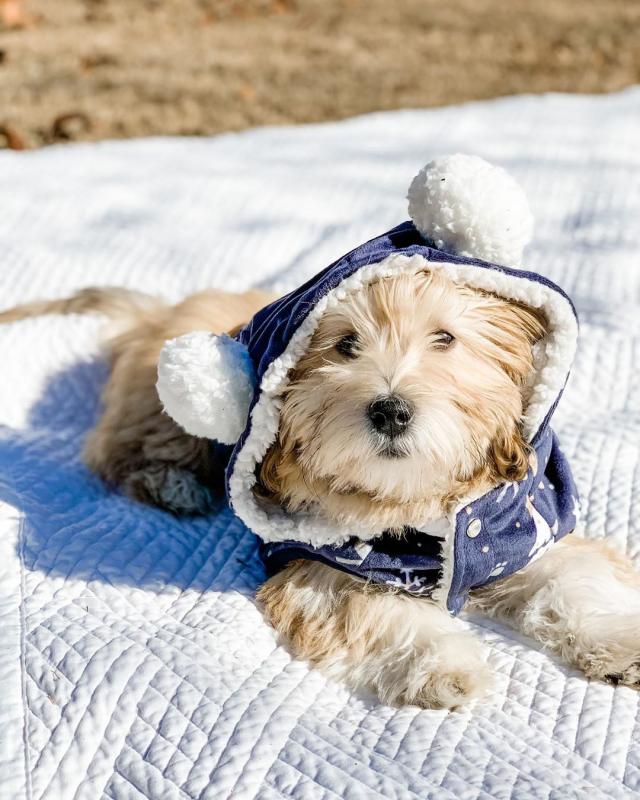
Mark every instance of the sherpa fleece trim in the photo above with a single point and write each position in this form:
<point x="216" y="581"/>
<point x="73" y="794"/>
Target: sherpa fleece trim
<point x="553" y="361"/>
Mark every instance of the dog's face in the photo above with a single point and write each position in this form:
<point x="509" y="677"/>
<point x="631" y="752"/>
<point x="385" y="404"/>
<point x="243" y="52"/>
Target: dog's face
<point x="410" y="390"/>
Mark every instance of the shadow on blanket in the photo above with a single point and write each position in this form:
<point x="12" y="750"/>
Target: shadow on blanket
<point x="76" y="527"/>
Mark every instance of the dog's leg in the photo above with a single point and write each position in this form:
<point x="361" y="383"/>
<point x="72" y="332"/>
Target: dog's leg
<point x="581" y="600"/>
<point x="406" y="649"/>
<point x="134" y="444"/>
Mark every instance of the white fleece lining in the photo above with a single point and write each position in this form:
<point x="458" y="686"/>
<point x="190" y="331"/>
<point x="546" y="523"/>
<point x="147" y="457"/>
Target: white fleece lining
<point x="554" y="361"/>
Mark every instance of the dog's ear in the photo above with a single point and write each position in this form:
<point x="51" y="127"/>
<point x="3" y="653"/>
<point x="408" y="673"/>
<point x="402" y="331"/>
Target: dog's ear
<point x="520" y="328"/>
<point x="268" y="485"/>
<point x="509" y="455"/>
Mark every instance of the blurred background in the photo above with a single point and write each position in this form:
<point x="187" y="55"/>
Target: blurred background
<point x="94" y="69"/>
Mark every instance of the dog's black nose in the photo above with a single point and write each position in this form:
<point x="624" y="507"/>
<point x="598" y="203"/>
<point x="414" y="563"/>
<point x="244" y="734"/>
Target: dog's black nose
<point x="390" y="415"/>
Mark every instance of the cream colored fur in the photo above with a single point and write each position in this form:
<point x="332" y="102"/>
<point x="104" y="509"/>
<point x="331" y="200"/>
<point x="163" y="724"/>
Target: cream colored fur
<point x="580" y="600"/>
<point x="405" y="649"/>
<point x="135" y="445"/>
<point x="467" y="398"/>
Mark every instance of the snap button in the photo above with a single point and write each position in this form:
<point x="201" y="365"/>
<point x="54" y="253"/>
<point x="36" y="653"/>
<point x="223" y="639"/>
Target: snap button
<point x="474" y="528"/>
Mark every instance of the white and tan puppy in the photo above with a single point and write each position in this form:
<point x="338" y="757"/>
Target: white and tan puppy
<point x="391" y="446"/>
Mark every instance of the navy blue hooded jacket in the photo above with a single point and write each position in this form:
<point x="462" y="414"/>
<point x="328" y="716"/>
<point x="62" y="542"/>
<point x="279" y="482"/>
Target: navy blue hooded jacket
<point x="484" y="538"/>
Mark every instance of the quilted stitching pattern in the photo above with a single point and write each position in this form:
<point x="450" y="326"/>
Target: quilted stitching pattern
<point x="134" y="661"/>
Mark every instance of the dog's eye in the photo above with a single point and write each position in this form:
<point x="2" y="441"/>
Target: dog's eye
<point x="347" y="345"/>
<point x="443" y="339"/>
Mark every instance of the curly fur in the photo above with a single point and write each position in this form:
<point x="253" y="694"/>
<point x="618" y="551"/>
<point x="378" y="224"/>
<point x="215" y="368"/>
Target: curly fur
<point x="468" y="402"/>
<point x="580" y="600"/>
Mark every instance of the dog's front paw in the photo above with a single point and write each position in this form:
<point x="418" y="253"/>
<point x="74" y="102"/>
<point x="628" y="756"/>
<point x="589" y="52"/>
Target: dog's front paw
<point x="449" y="673"/>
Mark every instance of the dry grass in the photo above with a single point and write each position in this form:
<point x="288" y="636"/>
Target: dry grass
<point x="94" y="69"/>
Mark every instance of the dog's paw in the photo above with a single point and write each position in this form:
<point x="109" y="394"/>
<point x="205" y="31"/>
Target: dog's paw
<point x="450" y="674"/>
<point x="453" y="689"/>
<point x="170" y="487"/>
<point x="628" y="677"/>
<point x="618" y="664"/>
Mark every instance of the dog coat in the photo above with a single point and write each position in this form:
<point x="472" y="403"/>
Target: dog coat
<point x="485" y="537"/>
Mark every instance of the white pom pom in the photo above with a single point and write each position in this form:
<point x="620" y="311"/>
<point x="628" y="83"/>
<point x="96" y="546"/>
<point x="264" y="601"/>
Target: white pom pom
<point x="205" y="383"/>
<point x="472" y="208"/>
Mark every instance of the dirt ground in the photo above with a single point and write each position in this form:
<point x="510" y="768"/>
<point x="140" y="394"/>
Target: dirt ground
<point x="95" y="69"/>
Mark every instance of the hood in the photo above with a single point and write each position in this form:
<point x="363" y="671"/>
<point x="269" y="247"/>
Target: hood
<point x="462" y="204"/>
<point x="278" y="335"/>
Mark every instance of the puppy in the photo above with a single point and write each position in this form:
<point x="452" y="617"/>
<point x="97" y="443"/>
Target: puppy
<point x="443" y="372"/>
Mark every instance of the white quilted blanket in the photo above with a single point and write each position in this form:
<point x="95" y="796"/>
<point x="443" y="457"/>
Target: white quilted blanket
<point x="133" y="661"/>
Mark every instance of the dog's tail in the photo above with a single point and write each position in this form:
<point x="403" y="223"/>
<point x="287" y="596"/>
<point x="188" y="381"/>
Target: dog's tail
<point x="119" y="305"/>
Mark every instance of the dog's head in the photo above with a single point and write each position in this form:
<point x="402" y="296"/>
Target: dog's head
<point x="410" y="394"/>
